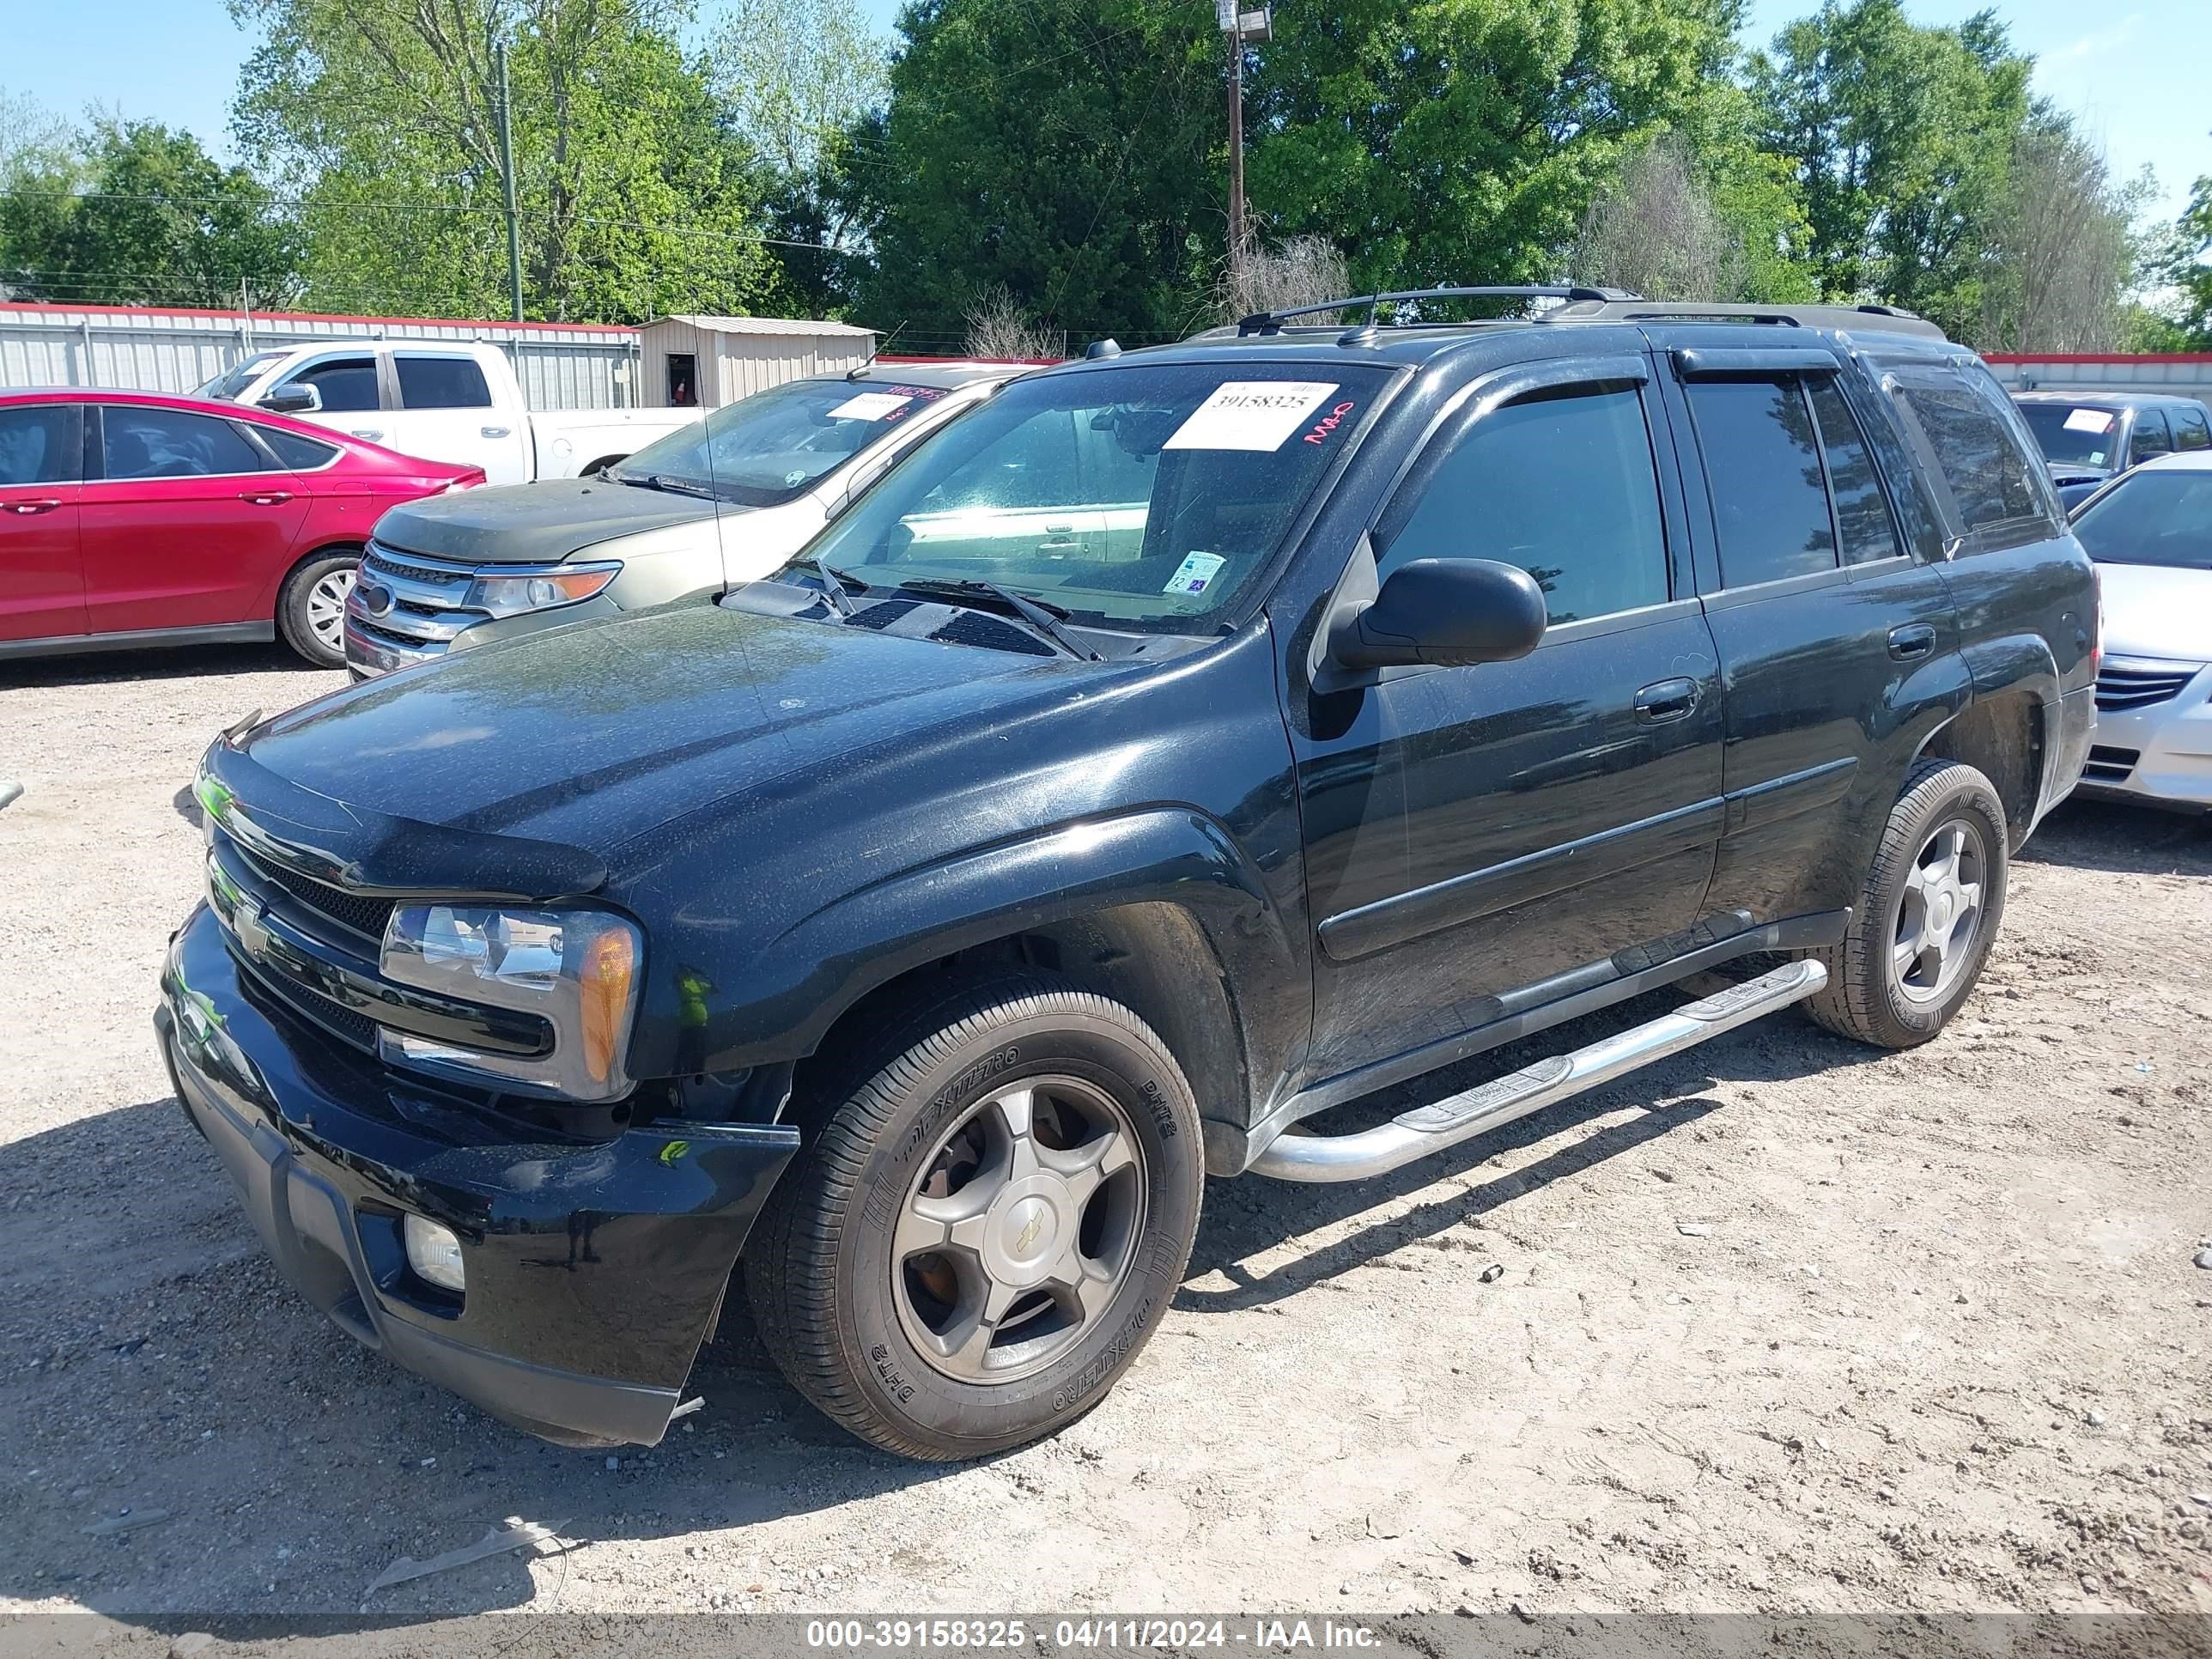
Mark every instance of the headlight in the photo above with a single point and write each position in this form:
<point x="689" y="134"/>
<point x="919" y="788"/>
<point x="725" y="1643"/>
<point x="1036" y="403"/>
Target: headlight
<point x="577" y="969"/>
<point x="540" y="590"/>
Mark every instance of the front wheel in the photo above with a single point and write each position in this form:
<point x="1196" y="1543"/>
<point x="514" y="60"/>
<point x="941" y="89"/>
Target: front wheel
<point x="311" y="608"/>
<point x="976" y="1242"/>
<point x="1926" y="915"/>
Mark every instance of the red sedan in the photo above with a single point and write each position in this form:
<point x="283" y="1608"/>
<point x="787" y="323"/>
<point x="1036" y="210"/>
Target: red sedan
<point x="133" y="518"/>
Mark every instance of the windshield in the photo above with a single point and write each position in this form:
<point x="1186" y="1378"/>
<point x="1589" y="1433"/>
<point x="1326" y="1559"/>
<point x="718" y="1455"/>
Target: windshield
<point x="772" y="446"/>
<point x="2159" y="515"/>
<point x="227" y="387"/>
<point x="1140" y="496"/>
<point x="2075" y="434"/>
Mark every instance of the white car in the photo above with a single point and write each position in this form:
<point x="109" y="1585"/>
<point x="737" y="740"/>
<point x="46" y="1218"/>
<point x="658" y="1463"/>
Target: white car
<point x="2150" y="532"/>
<point x="442" y="400"/>
<point x="699" y="512"/>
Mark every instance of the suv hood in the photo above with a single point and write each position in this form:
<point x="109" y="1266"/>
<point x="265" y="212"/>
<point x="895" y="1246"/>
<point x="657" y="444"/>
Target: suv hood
<point x="2157" y="611"/>
<point x="593" y="735"/>
<point x="536" y="522"/>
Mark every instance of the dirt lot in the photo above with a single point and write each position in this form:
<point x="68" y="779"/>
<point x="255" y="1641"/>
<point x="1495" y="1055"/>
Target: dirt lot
<point x="1938" y="1344"/>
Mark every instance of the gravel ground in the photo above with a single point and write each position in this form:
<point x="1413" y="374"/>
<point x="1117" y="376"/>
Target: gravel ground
<point x="1779" y="1325"/>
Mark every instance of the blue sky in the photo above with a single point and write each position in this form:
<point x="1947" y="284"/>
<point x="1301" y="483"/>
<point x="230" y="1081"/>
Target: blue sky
<point x="2133" y="70"/>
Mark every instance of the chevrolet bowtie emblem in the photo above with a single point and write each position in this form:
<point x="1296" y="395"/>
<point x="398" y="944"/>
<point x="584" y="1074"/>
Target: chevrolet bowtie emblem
<point x="246" y="922"/>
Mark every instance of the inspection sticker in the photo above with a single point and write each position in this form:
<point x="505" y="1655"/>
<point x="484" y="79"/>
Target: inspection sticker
<point x="1195" y="571"/>
<point x="2089" y="420"/>
<point x="1251" y="415"/>
<point x="870" y="406"/>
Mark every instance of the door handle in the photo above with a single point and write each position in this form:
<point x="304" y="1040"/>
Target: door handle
<point x="265" y="497"/>
<point x="42" y="505"/>
<point x="493" y="431"/>
<point x="371" y="432"/>
<point x="1912" y="641"/>
<point x="1666" y="700"/>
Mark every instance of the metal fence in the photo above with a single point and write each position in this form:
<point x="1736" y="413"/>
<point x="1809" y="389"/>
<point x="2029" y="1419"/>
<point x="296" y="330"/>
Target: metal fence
<point x="561" y="366"/>
<point x="2185" y="374"/>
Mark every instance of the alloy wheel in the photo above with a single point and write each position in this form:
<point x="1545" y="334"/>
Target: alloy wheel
<point x="1939" y="914"/>
<point x="1020" y="1230"/>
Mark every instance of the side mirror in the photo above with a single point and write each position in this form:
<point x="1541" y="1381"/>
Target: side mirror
<point x="294" y="400"/>
<point x="1442" y="613"/>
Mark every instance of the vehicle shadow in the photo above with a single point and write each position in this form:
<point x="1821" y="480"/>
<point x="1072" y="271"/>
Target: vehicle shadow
<point x="276" y="1466"/>
<point x="2123" y="839"/>
<point x="182" y="662"/>
<point x="289" y="1466"/>
<point x="1248" y="1216"/>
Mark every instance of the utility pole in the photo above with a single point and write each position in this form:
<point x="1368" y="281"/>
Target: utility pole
<point x="507" y="174"/>
<point x="1239" y="26"/>
<point x="1236" y="27"/>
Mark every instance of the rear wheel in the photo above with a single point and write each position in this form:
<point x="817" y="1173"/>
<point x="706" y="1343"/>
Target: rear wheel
<point x="311" y="607"/>
<point x="976" y="1239"/>
<point x="1927" y="914"/>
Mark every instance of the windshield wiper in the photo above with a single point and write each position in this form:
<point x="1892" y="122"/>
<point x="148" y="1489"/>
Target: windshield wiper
<point x="835" y="582"/>
<point x="1041" y="615"/>
<point x="669" y="482"/>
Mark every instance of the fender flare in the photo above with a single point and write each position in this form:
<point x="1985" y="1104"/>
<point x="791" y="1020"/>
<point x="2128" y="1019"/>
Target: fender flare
<point x="861" y="940"/>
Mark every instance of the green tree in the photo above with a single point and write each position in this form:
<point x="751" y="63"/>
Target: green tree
<point x="636" y="197"/>
<point x="1462" y="140"/>
<point x="1069" y="156"/>
<point x="803" y="80"/>
<point x="2192" y="270"/>
<point x="140" y="214"/>
<point x="1900" y="139"/>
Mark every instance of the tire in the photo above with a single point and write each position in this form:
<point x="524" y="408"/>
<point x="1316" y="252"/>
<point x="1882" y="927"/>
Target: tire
<point x="868" y="1322"/>
<point x="1879" y="990"/>
<point x="300" y="607"/>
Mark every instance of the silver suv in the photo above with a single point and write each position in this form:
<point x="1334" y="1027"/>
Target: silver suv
<point x="720" y="502"/>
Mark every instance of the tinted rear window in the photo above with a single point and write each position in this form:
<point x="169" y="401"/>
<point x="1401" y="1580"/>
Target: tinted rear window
<point x="441" y="383"/>
<point x="1992" y="481"/>
<point x="1762" y="459"/>
<point x="173" y="443"/>
<point x="301" y="454"/>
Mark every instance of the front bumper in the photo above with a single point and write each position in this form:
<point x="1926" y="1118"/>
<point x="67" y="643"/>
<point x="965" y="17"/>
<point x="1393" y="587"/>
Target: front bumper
<point x="594" y="1268"/>
<point x="2160" y="753"/>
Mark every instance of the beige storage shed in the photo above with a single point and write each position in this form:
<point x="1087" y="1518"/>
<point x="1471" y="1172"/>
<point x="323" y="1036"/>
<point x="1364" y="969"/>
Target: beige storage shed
<point x="707" y="362"/>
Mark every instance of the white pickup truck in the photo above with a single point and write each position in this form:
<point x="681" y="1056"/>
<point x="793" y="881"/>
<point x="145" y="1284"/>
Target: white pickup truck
<point x="443" y="400"/>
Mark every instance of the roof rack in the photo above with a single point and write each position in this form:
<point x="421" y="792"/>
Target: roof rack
<point x="1270" y="322"/>
<point x="1889" y="320"/>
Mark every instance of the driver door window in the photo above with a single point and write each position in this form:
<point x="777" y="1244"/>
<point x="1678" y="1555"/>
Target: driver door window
<point x="1559" y="484"/>
<point x="347" y="385"/>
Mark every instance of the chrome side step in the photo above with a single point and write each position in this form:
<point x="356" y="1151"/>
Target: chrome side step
<point x="1426" y="1129"/>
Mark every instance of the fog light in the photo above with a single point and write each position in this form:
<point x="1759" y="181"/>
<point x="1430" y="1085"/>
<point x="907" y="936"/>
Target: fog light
<point x="435" y="1254"/>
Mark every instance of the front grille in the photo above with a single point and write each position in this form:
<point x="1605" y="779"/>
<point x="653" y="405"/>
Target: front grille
<point x="382" y="563"/>
<point x="2110" y="765"/>
<point x="364" y="916"/>
<point x="334" y="1017"/>
<point x="2120" y="689"/>
<point x="406" y="642"/>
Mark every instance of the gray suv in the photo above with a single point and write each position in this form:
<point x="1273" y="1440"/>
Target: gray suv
<point x="2088" y="437"/>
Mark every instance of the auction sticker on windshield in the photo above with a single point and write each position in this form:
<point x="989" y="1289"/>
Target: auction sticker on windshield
<point x="1194" y="574"/>
<point x="1251" y="414"/>
<point x="870" y="406"/>
<point x="2089" y="420"/>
